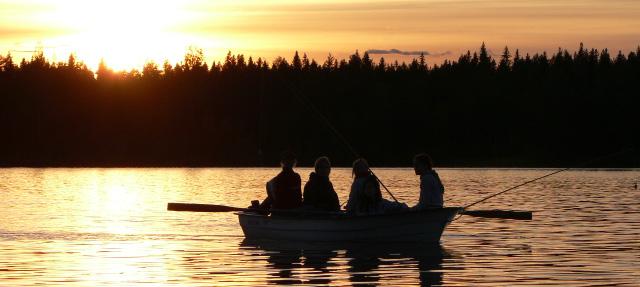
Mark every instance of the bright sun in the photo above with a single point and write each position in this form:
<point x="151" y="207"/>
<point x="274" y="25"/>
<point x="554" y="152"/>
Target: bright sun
<point x="125" y="33"/>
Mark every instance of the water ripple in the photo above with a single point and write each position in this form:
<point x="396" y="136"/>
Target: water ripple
<point x="109" y="227"/>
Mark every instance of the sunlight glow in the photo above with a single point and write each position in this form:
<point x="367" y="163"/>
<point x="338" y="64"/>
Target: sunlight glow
<point x="126" y="34"/>
<point x="124" y="263"/>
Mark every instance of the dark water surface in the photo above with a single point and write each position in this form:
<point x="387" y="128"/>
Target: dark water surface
<point x="109" y="227"/>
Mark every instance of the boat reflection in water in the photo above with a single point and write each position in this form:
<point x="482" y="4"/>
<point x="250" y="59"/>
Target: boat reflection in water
<point x="315" y="263"/>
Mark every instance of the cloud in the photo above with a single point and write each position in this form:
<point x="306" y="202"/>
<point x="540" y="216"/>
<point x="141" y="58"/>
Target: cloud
<point x="396" y="51"/>
<point x="405" y="53"/>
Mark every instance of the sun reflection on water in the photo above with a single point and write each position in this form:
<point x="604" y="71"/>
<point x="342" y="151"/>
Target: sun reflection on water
<point x="124" y="262"/>
<point x="110" y="227"/>
<point x="117" y="201"/>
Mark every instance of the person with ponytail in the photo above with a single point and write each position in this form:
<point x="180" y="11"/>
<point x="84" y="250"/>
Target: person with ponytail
<point x="431" y="188"/>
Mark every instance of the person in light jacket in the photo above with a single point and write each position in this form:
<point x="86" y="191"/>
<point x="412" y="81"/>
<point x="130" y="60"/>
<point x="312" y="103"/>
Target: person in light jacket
<point x="365" y="196"/>
<point x="431" y="188"/>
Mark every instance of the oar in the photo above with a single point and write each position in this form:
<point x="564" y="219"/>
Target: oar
<point x="496" y="213"/>
<point x="196" y="207"/>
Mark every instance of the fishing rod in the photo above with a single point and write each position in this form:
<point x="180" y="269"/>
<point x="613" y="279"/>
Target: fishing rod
<point x="548" y="175"/>
<point x="326" y="121"/>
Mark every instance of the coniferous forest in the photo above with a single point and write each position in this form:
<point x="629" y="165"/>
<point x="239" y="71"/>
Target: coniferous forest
<point x="555" y="109"/>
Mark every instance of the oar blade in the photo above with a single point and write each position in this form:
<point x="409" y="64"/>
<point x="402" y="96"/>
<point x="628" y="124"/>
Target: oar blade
<point x="196" y="207"/>
<point x="504" y="214"/>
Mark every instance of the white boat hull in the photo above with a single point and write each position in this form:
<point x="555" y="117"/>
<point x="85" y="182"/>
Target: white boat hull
<point x="412" y="226"/>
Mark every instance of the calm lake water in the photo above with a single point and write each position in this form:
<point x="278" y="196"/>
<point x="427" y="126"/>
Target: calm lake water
<point x="110" y="227"/>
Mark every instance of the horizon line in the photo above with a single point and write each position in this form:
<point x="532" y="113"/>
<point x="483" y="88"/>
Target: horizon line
<point x="373" y="53"/>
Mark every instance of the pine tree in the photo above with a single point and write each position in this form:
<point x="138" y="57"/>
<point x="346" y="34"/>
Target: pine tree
<point x="423" y="62"/>
<point x="484" y="58"/>
<point x="313" y="66"/>
<point x="240" y="63"/>
<point x="305" y="62"/>
<point x="71" y="62"/>
<point x="355" y="62"/>
<point x="516" y="60"/>
<point x="216" y="68"/>
<point x="414" y="66"/>
<point x="296" y="64"/>
<point x="620" y="59"/>
<point x="475" y="60"/>
<point x="229" y="62"/>
<point x="280" y="64"/>
<point x="328" y="64"/>
<point x="382" y="66"/>
<point x="605" y="59"/>
<point x="250" y="64"/>
<point x="505" y="61"/>
<point x="104" y="73"/>
<point x="367" y="63"/>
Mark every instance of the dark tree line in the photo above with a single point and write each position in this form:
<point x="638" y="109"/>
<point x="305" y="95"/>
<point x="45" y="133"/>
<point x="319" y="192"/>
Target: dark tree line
<point x="516" y="110"/>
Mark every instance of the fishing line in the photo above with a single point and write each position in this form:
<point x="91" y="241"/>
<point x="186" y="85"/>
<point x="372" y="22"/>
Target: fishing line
<point x="548" y="175"/>
<point x="326" y="121"/>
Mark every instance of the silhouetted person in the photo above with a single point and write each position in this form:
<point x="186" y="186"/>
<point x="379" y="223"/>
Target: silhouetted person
<point x="283" y="191"/>
<point x="318" y="191"/>
<point x="431" y="188"/>
<point x="365" y="195"/>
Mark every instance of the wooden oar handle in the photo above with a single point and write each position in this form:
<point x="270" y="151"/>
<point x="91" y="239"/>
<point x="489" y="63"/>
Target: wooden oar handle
<point x="196" y="207"/>
<point x="496" y="213"/>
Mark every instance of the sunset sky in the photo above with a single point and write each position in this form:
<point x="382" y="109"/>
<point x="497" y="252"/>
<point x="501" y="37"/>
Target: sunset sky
<point x="128" y="33"/>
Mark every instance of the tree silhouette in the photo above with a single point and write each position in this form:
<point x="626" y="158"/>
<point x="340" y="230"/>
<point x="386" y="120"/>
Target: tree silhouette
<point x="6" y="63"/>
<point x="330" y="63"/>
<point x="531" y="110"/>
<point x="306" y="65"/>
<point x="484" y="59"/>
<point x="367" y="63"/>
<point x="194" y="61"/>
<point x="296" y="63"/>
<point x="104" y="72"/>
<point x="423" y="62"/>
<point x="151" y="71"/>
<point x="505" y="61"/>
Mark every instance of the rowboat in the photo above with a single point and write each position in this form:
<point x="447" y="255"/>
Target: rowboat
<point x="409" y="226"/>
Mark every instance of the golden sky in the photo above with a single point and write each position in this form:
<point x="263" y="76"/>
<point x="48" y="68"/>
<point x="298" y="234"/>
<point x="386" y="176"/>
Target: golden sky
<point x="126" y="33"/>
